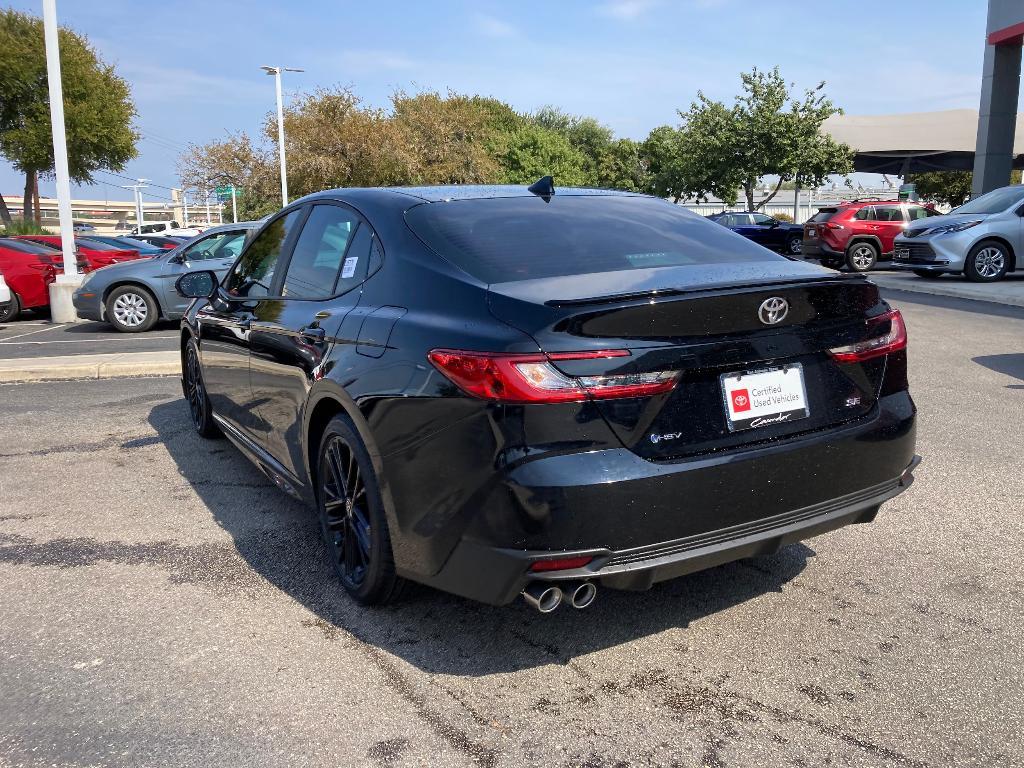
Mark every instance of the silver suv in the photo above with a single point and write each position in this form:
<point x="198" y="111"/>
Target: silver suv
<point x="133" y="295"/>
<point x="983" y="239"/>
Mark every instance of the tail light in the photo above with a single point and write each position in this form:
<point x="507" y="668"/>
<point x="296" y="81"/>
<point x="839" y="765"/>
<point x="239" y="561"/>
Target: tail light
<point x="531" y="378"/>
<point x="830" y="225"/>
<point x="892" y="340"/>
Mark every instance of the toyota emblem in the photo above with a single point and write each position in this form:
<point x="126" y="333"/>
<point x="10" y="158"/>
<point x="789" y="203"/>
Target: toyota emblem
<point x="773" y="310"/>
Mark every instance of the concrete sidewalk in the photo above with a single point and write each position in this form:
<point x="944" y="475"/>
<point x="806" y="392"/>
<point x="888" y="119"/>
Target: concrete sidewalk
<point x="1009" y="291"/>
<point x="108" y="366"/>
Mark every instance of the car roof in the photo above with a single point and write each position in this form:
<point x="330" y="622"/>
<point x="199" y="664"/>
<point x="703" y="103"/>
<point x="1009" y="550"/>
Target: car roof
<point x="444" y="193"/>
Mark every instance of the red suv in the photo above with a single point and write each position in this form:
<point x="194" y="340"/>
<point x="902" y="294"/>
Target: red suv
<point x="858" y="233"/>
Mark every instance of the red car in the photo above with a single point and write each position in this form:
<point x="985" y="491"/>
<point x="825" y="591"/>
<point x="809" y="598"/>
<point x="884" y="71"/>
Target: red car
<point x="29" y="277"/>
<point x="91" y="255"/>
<point x="858" y="233"/>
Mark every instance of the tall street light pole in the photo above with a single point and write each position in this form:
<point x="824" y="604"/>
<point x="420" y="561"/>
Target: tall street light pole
<point x="61" y="291"/>
<point x="276" y="72"/>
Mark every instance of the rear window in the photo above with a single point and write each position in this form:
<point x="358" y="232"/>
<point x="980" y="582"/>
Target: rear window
<point x="507" y="239"/>
<point x="824" y="214"/>
<point x="26" y="246"/>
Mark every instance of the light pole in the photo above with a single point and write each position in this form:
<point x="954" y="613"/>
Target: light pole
<point x="61" y="308"/>
<point x="137" y="188"/>
<point x="276" y="72"/>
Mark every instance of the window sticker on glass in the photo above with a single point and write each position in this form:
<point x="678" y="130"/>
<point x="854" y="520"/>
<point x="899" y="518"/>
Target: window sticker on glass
<point x="349" y="268"/>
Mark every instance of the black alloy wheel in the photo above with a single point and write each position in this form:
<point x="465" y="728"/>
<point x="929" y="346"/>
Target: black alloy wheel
<point x="352" y="517"/>
<point x="795" y="245"/>
<point x="195" y="392"/>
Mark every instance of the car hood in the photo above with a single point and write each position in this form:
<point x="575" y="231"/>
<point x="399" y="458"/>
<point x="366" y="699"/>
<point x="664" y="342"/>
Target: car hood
<point x="921" y="225"/>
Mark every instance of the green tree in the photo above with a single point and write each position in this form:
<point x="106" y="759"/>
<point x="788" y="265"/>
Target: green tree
<point x="766" y="132"/>
<point x="235" y="160"/>
<point x="533" y="151"/>
<point x="98" y="109"/>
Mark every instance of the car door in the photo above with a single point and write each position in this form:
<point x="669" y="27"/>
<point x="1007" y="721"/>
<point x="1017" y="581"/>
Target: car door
<point x="224" y="323"/>
<point x="740" y="223"/>
<point x="292" y="333"/>
<point x="767" y="231"/>
<point x="889" y="222"/>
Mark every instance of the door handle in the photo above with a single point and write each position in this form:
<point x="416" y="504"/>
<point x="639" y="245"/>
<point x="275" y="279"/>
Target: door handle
<point x="245" y="323"/>
<point x="313" y="332"/>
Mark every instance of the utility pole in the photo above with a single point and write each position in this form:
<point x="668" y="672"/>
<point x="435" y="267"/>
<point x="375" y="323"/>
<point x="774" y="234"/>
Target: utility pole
<point x="61" y="291"/>
<point x="184" y="203"/>
<point x="276" y="72"/>
<point x="234" y="206"/>
<point x="208" y="217"/>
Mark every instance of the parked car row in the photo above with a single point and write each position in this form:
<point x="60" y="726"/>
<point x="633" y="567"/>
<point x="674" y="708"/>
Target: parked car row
<point x="29" y="263"/>
<point x="981" y="239"/>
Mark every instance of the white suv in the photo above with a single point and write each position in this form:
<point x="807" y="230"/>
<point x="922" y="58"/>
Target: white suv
<point x="167" y="228"/>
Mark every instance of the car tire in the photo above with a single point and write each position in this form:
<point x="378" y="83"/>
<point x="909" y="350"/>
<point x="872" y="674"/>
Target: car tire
<point x="352" y="518"/>
<point x="131" y="309"/>
<point x="861" y="256"/>
<point x="927" y="274"/>
<point x="11" y="309"/>
<point x="196" y="396"/>
<point x="987" y="262"/>
<point x="794" y="245"/>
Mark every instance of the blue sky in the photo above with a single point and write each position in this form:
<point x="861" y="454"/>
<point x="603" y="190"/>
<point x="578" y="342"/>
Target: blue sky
<point x="194" y="66"/>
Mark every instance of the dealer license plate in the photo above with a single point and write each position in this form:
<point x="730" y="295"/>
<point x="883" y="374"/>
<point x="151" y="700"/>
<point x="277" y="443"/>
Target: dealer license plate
<point x="812" y="232"/>
<point x="763" y="398"/>
<point x="902" y="254"/>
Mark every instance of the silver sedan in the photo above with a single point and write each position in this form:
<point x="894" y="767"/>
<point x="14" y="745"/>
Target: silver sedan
<point x="133" y="295"/>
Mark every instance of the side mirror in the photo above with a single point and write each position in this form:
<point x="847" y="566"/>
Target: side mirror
<point x="176" y="259"/>
<point x="197" y="285"/>
<point x="774" y="224"/>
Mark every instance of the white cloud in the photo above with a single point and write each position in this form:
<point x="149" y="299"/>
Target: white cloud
<point x="495" y="27"/>
<point x="626" y="9"/>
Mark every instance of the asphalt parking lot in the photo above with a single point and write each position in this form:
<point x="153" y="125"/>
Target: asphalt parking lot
<point x="163" y="604"/>
<point x="36" y="336"/>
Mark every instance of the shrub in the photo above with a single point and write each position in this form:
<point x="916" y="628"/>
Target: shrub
<point x="782" y="217"/>
<point x="19" y="227"/>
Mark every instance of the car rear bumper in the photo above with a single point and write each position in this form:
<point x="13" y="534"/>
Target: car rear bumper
<point x="817" y="249"/>
<point x="623" y="510"/>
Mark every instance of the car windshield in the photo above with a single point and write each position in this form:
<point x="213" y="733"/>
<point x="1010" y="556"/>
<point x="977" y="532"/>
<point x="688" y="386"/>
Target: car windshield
<point x="996" y="201"/>
<point x="129" y="242"/>
<point x="26" y="246"/>
<point x="523" y="238"/>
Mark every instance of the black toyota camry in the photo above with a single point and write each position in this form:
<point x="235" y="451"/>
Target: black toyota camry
<point x="505" y="390"/>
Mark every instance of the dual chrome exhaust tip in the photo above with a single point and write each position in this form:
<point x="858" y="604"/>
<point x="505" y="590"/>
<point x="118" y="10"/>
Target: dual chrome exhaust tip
<point x="546" y="596"/>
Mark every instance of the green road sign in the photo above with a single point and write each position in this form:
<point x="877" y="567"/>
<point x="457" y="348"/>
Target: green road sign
<point x="224" y="193"/>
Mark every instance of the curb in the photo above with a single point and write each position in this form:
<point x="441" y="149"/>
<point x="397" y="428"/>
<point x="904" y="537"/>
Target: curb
<point x="993" y="293"/>
<point x="71" y="367"/>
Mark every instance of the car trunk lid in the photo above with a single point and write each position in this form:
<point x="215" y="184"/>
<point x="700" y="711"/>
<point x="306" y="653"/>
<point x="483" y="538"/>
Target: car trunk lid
<point x="707" y="323"/>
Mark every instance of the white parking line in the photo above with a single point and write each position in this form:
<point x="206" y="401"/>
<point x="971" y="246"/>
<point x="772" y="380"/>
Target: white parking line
<point x="41" y="330"/>
<point x="82" y="341"/>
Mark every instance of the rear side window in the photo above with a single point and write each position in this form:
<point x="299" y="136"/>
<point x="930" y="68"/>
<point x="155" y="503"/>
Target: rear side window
<point x="824" y="214"/>
<point x="507" y="239"/>
<point x="888" y="213"/>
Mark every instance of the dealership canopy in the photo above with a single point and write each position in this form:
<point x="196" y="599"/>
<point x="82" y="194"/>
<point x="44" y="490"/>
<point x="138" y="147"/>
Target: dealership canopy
<point x="916" y="141"/>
